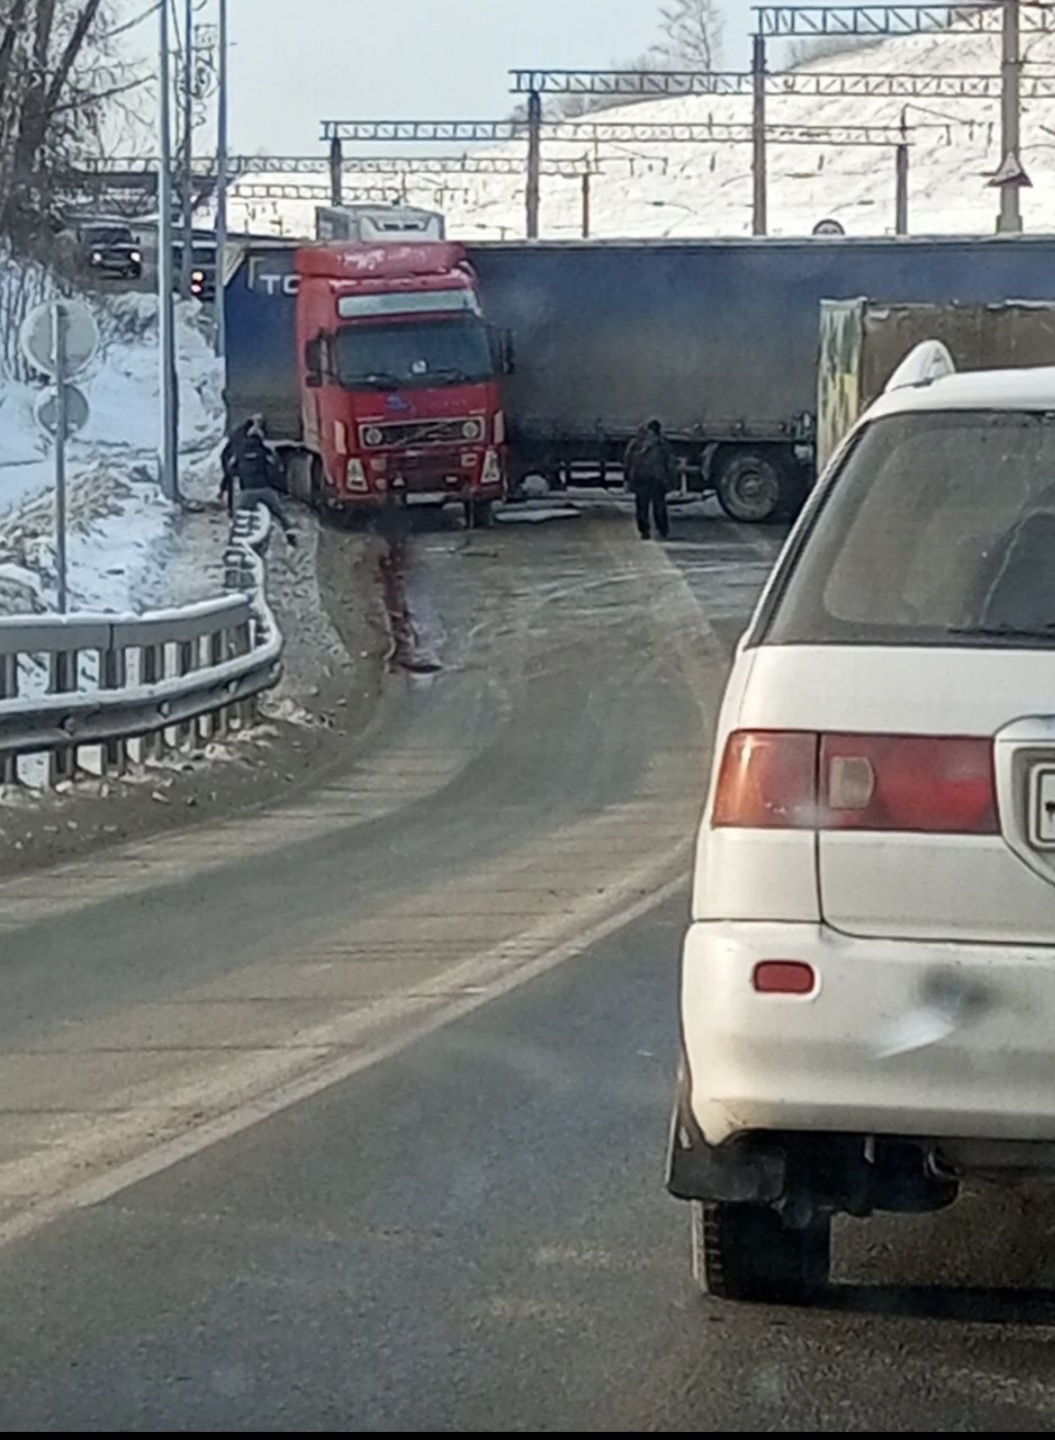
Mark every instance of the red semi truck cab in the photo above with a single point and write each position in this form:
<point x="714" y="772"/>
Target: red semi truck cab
<point x="399" y="377"/>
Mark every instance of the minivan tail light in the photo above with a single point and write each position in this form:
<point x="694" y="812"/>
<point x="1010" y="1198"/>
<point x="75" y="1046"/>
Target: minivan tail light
<point x="920" y="783"/>
<point x="768" y="781"/>
<point x="796" y="780"/>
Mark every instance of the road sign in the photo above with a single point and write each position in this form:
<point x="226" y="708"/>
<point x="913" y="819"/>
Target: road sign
<point x="47" y="410"/>
<point x="81" y="334"/>
<point x="828" y="227"/>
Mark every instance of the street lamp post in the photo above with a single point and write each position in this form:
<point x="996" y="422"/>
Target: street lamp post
<point x="187" y="255"/>
<point x="168" y="453"/>
<point x="221" y="187"/>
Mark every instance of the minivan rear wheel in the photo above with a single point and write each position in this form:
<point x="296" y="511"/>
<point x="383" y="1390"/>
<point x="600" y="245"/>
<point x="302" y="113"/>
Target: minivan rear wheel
<point x="747" y="1252"/>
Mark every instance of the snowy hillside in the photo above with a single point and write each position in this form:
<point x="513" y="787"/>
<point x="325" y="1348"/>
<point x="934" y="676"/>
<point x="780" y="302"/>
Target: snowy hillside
<point x="118" y="521"/>
<point x="705" y="189"/>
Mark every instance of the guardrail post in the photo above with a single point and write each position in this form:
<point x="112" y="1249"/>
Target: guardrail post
<point x="113" y="675"/>
<point x="62" y="763"/>
<point x="9" y="691"/>
<point x="245" y="710"/>
<point x="187" y="661"/>
<point x="217" y="721"/>
<point x="151" y="669"/>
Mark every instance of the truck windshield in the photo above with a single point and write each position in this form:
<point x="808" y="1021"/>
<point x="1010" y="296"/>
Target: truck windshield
<point x="938" y="530"/>
<point x="414" y="353"/>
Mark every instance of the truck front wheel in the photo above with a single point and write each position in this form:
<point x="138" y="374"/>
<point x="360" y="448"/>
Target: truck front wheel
<point x="750" y="486"/>
<point x="747" y="1252"/>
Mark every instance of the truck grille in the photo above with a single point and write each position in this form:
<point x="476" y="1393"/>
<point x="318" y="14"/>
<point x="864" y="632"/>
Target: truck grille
<point x="422" y="432"/>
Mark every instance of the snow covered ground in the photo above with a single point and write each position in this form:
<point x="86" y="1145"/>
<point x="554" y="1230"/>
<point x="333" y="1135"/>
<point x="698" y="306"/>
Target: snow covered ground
<point x="117" y="517"/>
<point x="704" y="189"/>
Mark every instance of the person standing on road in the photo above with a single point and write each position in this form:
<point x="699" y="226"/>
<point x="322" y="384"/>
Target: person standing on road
<point x="650" y="470"/>
<point x="250" y="472"/>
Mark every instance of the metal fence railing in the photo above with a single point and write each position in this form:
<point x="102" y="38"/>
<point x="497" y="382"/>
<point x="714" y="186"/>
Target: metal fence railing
<point x="87" y="690"/>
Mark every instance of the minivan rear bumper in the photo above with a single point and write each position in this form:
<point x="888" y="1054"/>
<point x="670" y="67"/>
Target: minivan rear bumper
<point x="897" y="1037"/>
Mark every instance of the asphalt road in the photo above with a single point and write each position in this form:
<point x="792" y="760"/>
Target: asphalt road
<point x="354" y="1119"/>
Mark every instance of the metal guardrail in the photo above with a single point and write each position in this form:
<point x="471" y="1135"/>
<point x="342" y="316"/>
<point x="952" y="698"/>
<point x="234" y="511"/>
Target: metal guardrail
<point x="171" y="679"/>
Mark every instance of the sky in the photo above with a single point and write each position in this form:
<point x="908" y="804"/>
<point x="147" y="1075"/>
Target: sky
<point x="296" y="62"/>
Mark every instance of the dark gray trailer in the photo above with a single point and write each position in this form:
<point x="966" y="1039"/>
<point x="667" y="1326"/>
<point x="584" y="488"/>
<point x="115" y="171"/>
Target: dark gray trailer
<point x="718" y="339"/>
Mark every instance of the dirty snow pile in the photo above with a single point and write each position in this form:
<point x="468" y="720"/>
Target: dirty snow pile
<point x="117" y="517"/>
<point x="700" y="189"/>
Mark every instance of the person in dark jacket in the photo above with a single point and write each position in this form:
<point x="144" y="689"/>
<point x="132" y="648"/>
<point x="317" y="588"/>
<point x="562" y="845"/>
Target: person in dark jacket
<point x="250" y="472"/>
<point x="650" y="470"/>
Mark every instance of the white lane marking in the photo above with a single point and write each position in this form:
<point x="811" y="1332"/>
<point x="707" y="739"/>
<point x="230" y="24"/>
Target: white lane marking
<point x="480" y="981"/>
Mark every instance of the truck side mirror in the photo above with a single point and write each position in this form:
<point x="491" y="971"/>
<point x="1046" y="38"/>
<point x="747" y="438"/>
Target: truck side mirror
<point x="506" y="353"/>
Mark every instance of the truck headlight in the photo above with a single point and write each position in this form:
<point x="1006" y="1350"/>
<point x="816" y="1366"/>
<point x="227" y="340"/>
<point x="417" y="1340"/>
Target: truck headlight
<point x="473" y="430"/>
<point x="373" y="436"/>
<point x="356" y="475"/>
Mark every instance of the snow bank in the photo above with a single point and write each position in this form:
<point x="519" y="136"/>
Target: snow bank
<point x="118" y="520"/>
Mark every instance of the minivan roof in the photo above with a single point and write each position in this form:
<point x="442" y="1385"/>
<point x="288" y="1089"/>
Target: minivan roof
<point x="1026" y="389"/>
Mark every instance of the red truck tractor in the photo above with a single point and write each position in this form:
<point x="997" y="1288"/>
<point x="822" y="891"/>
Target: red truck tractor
<point x="399" y="380"/>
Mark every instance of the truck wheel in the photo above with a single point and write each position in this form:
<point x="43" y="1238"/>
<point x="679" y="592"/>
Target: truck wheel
<point x="746" y="1252"/>
<point x="750" y="487"/>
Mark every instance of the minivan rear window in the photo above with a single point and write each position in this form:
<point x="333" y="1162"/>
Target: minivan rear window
<point x="939" y="529"/>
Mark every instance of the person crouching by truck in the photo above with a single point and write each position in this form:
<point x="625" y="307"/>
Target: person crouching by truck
<point x="250" y="473"/>
<point x="650" y="470"/>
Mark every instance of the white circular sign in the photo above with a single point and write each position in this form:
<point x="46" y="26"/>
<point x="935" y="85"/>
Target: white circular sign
<point x="47" y="410"/>
<point x="828" y="227"/>
<point x="38" y="336"/>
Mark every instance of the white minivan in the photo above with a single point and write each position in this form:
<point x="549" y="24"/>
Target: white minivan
<point x="868" y="985"/>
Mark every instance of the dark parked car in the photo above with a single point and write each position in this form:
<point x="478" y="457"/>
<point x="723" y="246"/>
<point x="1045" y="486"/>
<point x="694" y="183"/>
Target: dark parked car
<point x="110" y="249"/>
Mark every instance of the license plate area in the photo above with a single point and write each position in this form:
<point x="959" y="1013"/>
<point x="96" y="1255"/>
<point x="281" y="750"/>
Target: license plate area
<point x="1042" y="807"/>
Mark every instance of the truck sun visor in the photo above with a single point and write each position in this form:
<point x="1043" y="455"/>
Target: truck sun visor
<point x="358" y="307"/>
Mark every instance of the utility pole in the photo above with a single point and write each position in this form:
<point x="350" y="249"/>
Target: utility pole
<point x="901" y="179"/>
<point x="759" y="221"/>
<point x="168" y="451"/>
<point x="534" y="163"/>
<point x="337" y="172"/>
<point x="1011" y="176"/>
<point x="187" y="257"/>
<point x="222" y="160"/>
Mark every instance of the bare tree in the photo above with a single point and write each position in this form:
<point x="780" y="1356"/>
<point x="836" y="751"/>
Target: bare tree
<point x="690" y="39"/>
<point x="60" y="74"/>
<point x="691" y="35"/>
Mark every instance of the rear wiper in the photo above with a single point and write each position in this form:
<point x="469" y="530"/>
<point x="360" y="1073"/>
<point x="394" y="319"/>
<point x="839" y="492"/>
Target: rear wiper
<point x="1006" y="632"/>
